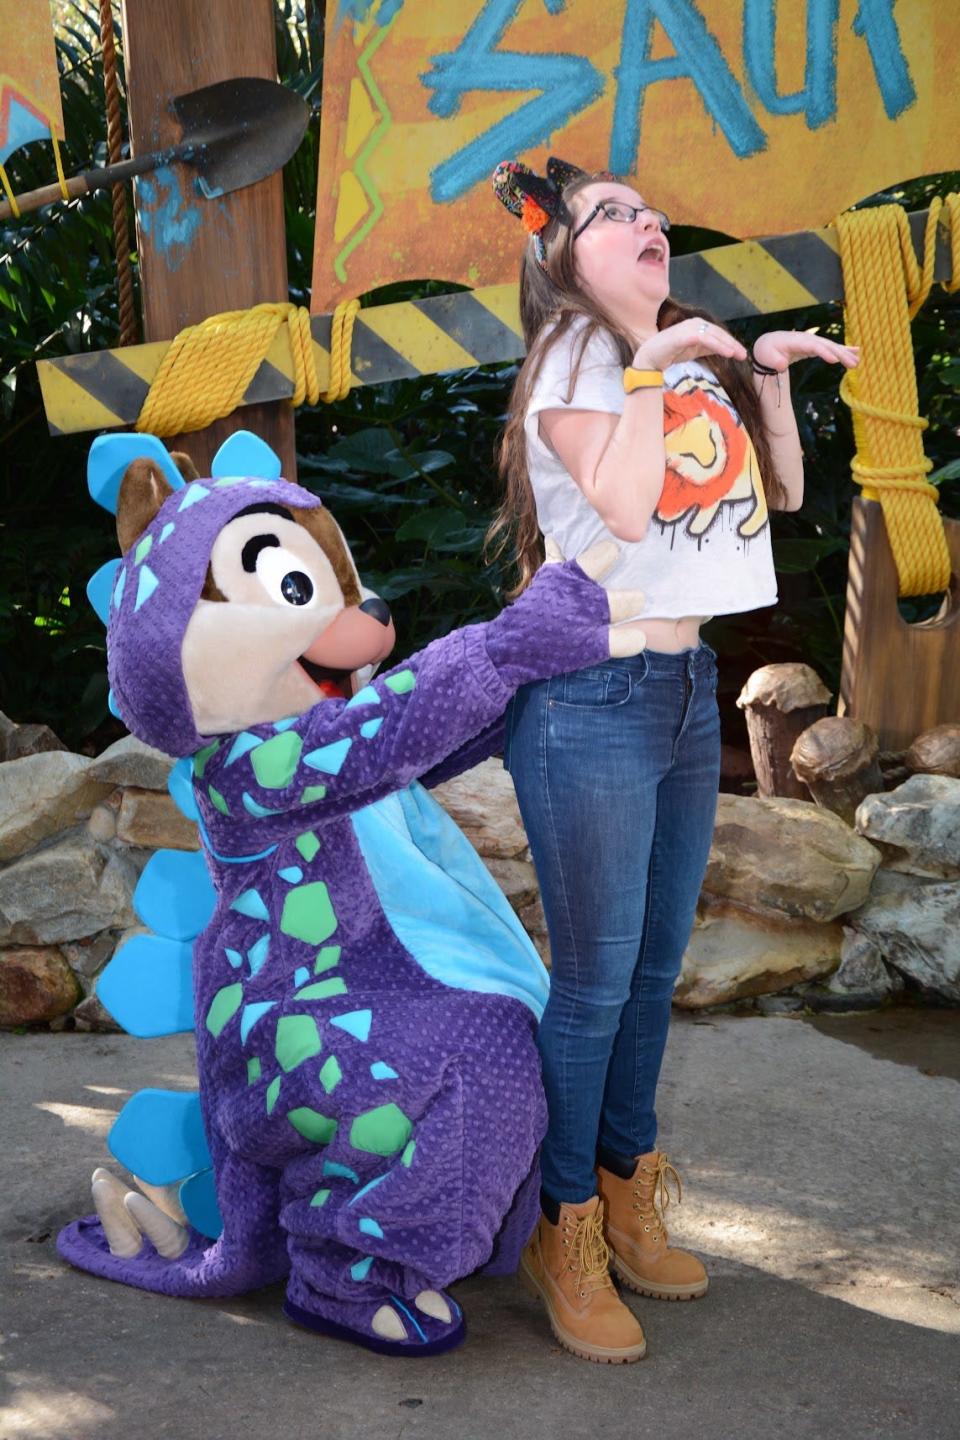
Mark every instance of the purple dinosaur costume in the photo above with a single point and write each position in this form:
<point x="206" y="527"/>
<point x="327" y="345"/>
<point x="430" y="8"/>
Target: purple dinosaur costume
<point x="365" y="1001"/>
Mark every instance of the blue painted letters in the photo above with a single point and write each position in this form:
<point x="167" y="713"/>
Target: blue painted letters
<point x="818" y="98"/>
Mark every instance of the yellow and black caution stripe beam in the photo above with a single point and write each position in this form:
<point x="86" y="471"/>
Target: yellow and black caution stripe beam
<point x="472" y="327"/>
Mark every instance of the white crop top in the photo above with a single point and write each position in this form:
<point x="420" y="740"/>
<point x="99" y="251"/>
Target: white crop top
<point x="707" y="548"/>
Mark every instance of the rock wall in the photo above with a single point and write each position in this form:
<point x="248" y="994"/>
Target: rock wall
<point x="795" y="902"/>
<point x="75" y="834"/>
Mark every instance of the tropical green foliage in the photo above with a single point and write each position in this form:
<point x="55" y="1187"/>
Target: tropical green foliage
<point x="407" y="467"/>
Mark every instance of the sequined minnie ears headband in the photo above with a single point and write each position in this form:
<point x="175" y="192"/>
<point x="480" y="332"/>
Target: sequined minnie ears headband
<point x="536" y="199"/>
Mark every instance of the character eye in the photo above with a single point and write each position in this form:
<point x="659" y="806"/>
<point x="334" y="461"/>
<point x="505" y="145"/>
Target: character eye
<point x="296" y="588"/>
<point x="284" y="577"/>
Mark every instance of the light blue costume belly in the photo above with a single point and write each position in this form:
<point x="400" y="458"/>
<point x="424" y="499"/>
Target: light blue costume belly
<point x="442" y="903"/>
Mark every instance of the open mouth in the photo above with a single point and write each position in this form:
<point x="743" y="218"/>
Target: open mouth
<point x="653" y="254"/>
<point x="334" y="684"/>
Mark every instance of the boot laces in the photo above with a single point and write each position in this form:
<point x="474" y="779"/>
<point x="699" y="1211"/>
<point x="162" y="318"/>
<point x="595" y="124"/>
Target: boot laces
<point x="590" y="1256"/>
<point x="653" y="1192"/>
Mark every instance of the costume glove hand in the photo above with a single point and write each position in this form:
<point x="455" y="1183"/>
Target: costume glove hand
<point x="565" y="620"/>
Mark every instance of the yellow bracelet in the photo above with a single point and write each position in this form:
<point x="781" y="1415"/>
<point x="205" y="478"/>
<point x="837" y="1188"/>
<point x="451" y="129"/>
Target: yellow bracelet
<point x="641" y="379"/>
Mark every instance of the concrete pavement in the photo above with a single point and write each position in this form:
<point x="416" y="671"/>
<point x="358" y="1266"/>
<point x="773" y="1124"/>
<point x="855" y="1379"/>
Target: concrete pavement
<point x="821" y="1163"/>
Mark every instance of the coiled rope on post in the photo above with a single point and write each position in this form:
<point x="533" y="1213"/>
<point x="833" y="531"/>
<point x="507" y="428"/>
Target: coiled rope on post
<point x="208" y="368"/>
<point x="884" y="287"/>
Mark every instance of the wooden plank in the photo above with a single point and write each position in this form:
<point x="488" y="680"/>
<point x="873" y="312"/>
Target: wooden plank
<point x="200" y="257"/>
<point x="421" y="337"/>
<point x="901" y="679"/>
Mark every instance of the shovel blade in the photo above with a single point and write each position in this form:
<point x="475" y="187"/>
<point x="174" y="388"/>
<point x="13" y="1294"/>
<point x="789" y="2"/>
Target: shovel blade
<point x="240" y="131"/>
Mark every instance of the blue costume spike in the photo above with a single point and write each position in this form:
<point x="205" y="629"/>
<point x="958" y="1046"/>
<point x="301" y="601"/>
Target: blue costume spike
<point x="198" y="1196"/>
<point x="159" y="1136"/>
<point x="245" y="454"/>
<point x="111" y="454"/>
<point x="100" y="588"/>
<point x="180" y="786"/>
<point x="148" y="986"/>
<point x="174" y="895"/>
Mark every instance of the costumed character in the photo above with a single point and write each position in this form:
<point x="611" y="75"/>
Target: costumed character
<point x="364" y="999"/>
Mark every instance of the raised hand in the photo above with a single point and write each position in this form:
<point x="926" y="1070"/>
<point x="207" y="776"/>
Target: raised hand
<point x="778" y="349"/>
<point x="687" y="340"/>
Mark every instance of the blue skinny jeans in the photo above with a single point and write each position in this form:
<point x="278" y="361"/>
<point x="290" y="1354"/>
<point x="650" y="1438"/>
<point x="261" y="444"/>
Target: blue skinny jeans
<point x="616" y="771"/>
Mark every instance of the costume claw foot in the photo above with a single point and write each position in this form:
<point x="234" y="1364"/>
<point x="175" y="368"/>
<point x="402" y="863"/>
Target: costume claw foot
<point x="431" y="1302"/>
<point x="387" y="1324"/>
<point x="128" y="1218"/>
<point x="428" y="1325"/>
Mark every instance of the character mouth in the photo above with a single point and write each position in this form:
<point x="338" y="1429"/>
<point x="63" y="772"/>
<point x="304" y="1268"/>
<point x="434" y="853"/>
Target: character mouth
<point x="334" y="684"/>
<point x="652" y="253"/>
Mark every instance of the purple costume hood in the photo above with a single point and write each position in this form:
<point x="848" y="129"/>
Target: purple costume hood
<point x="156" y="592"/>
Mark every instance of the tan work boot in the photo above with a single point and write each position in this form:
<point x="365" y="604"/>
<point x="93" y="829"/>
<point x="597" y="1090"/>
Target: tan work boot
<point x="637" y="1236"/>
<point x="567" y="1265"/>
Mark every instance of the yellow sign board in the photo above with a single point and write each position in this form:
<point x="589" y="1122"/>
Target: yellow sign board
<point x="29" y="83"/>
<point x="752" y="117"/>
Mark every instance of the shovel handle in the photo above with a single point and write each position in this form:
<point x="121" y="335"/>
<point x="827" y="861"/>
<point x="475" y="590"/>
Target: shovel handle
<point x="99" y="179"/>
<point x="46" y="195"/>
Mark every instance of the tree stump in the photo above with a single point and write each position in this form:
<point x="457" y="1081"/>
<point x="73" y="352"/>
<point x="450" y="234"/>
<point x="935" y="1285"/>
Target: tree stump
<point x="838" y="760"/>
<point x="780" y="702"/>
<point x="936" y="752"/>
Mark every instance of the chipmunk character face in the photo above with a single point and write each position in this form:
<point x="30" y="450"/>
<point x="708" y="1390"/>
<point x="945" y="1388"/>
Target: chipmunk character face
<point x="710" y="459"/>
<point x="280" y="621"/>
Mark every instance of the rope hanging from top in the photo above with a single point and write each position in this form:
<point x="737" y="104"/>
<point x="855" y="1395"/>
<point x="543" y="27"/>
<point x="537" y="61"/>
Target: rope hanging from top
<point x="884" y="288"/>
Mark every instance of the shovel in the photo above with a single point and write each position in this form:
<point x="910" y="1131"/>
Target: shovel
<point x="234" y="133"/>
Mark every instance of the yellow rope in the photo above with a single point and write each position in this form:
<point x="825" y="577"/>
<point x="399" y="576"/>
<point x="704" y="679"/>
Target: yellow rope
<point x="884" y="287"/>
<point x="208" y="367"/>
<point x="341" y="340"/>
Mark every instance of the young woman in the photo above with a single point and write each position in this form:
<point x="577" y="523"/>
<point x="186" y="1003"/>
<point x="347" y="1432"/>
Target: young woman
<point x="635" y="418"/>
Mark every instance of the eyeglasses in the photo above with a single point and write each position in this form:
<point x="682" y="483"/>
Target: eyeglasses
<point x="625" y="214"/>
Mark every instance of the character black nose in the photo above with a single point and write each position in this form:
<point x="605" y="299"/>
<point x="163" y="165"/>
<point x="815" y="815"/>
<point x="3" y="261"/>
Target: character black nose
<point x="378" y="608"/>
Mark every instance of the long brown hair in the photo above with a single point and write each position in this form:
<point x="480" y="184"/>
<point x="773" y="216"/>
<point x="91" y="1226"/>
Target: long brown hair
<point x="557" y="294"/>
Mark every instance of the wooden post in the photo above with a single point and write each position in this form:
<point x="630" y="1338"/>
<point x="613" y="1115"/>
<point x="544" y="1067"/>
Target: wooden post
<point x="779" y="702"/>
<point x="199" y="257"/>
<point x="900" y="679"/>
<point x="838" y="760"/>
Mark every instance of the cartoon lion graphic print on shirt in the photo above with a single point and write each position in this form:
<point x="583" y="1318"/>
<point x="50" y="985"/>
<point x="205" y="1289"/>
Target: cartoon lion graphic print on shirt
<point x="710" y="458"/>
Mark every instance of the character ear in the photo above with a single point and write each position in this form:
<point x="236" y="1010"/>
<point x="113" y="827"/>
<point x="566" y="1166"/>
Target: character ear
<point x="184" y="464"/>
<point x="143" y="490"/>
